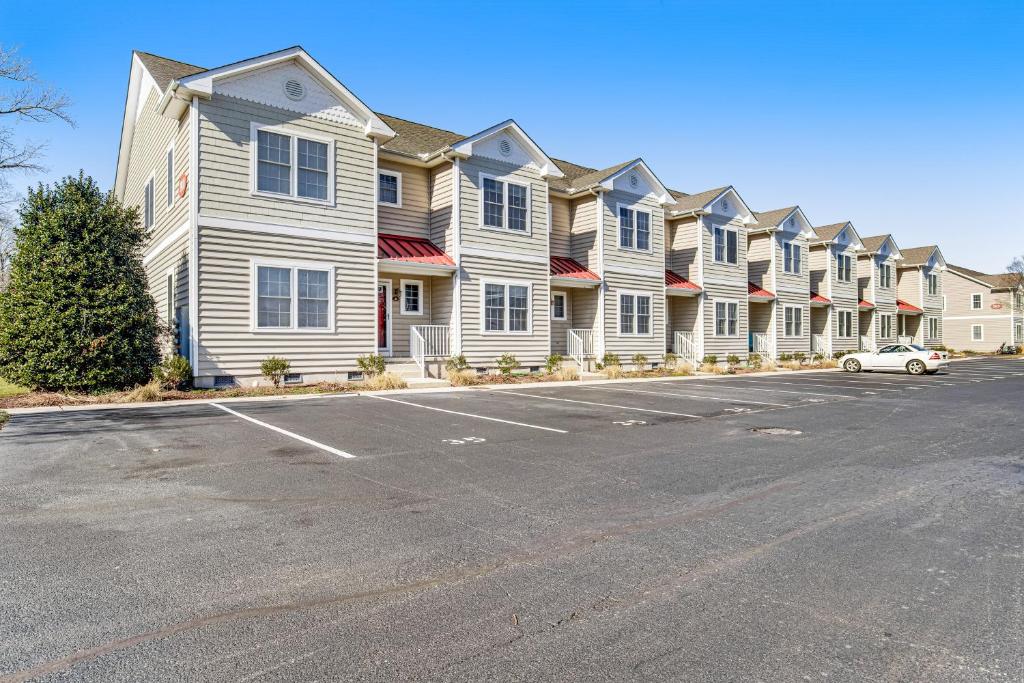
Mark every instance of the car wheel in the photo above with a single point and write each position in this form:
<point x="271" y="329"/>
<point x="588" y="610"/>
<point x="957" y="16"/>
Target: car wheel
<point x="852" y="365"/>
<point x="916" y="367"/>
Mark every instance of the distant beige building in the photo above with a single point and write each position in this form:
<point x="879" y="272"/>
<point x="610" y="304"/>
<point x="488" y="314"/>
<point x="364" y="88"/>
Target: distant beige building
<point x="981" y="311"/>
<point x="919" y="290"/>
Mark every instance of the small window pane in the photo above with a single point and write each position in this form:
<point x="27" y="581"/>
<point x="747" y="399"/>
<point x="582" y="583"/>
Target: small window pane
<point x="730" y="238"/>
<point x="720" y="319"/>
<point x="625" y="227"/>
<point x="494" y="203"/>
<point x="643" y="314"/>
<point x="274" y="298"/>
<point x="518" y="308"/>
<point x="517" y="208"/>
<point x="312" y="172"/>
<point x="626" y="314"/>
<point x="733" y="317"/>
<point x="494" y="307"/>
<point x="314" y="298"/>
<point x="273" y="167"/>
<point x="719" y="244"/>
<point x="388" y="189"/>
<point x="558" y="306"/>
<point x="643" y="230"/>
<point x="411" y="298"/>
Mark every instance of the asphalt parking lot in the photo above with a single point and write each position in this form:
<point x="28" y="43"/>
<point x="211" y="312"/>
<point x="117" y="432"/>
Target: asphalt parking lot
<point x="622" y="531"/>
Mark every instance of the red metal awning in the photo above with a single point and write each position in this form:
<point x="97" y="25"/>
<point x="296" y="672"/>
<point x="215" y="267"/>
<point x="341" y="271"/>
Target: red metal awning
<point x="866" y="305"/>
<point x="818" y="299"/>
<point x="411" y="249"/>
<point x="903" y="307"/>
<point x="565" y="267"/>
<point x="674" y="280"/>
<point x="755" y="292"/>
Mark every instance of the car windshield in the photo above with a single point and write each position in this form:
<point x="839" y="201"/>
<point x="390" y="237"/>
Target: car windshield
<point x="918" y="348"/>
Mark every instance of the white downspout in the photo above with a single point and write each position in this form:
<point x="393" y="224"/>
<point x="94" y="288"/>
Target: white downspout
<point x="456" y="330"/>
<point x="702" y="297"/>
<point x="599" y="342"/>
<point x="375" y="348"/>
<point x="193" y="256"/>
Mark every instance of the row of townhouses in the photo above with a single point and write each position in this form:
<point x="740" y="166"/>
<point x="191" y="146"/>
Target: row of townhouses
<point x="288" y="218"/>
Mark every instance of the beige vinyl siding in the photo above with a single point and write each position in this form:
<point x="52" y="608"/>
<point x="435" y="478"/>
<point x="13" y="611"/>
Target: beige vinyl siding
<point x="798" y="344"/>
<point x="759" y="261"/>
<point x="616" y="256"/>
<point x="653" y="345"/>
<point x="795" y="282"/>
<point x="441" y="230"/>
<point x="400" y="322"/>
<point x="483" y="348"/>
<point x="932" y="303"/>
<point x="535" y="241"/>
<point x="908" y="286"/>
<point x="442" y="289"/>
<point x="883" y="298"/>
<point x="683" y="312"/>
<point x="818" y="273"/>
<point x="682" y="247"/>
<point x="723" y="346"/>
<point x="584" y="308"/>
<point x="584" y="244"/>
<point x="228" y="345"/>
<point x="845" y="297"/>
<point x="958" y="317"/>
<point x="225" y="168"/>
<point x="792" y="289"/>
<point x="819" y="320"/>
<point x="413" y="217"/>
<point x="560" y="328"/>
<point x="561" y="220"/>
<point x="725" y="271"/>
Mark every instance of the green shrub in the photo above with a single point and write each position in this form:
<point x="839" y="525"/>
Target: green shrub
<point x="785" y="357"/>
<point x="818" y="357"/>
<point x="754" y="361"/>
<point x="275" y="369"/>
<point x="76" y="314"/>
<point x="799" y="356"/>
<point x="733" y="360"/>
<point x="710" y="359"/>
<point x="373" y="364"/>
<point x="456" y="364"/>
<point x="639" y="361"/>
<point x="507" y="363"/>
<point x="670" y="359"/>
<point x="174" y="372"/>
<point x="610" y="359"/>
<point x="839" y="354"/>
<point x="552" y="363"/>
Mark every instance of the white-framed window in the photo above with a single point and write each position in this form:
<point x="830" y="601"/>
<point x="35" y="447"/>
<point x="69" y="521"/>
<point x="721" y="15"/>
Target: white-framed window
<point x="725" y="244"/>
<point x="885" y="275"/>
<point x="296" y="297"/>
<point x="727" y="315"/>
<point x="977" y="333"/>
<point x="885" y="326"/>
<point x="170" y="175"/>
<point x="933" y="284"/>
<point x="506" y="307"/>
<point x="793" y="318"/>
<point x="149" y="203"/>
<point x="845" y="324"/>
<point x="791" y="257"/>
<point x="844" y="267"/>
<point x="933" y="328"/>
<point x="634" y="314"/>
<point x="559" y="306"/>
<point x="412" y="297"/>
<point x="291" y="164"/>
<point x="504" y="205"/>
<point x="634" y="228"/>
<point x="389" y="188"/>
<point x="976" y="302"/>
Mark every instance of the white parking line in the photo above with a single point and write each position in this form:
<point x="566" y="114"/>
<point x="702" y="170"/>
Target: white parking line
<point x="812" y="384"/>
<point x="674" y="393"/>
<point x="606" y="405"/>
<point x="293" y="435"/>
<point x="747" y="387"/>
<point x="479" y="417"/>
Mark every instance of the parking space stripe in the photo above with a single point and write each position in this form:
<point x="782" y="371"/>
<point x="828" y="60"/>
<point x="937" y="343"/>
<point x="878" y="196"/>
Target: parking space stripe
<point x="285" y="432"/>
<point x="605" y="405"/>
<point x="813" y="384"/>
<point x="698" y="396"/>
<point x="748" y="387"/>
<point x="456" y="412"/>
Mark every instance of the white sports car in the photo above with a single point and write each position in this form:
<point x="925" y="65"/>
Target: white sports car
<point x="911" y="358"/>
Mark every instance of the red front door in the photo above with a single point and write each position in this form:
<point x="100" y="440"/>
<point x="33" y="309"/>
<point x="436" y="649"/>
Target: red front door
<point x="382" y="317"/>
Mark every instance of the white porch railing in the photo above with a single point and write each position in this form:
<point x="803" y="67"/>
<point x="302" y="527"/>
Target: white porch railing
<point x="761" y="344"/>
<point x="580" y="345"/>
<point x="866" y="344"/>
<point x="428" y="341"/>
<point x="904" y="339"/>
<point x="818" y="344"/>
<point x="685" y="346"/>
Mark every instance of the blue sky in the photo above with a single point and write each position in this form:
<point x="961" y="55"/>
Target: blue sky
<point x="904" y="117"/>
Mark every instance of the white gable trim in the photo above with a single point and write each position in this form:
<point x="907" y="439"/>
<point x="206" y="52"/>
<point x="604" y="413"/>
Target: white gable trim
<point x="748" y="218"/>
<point x="894" y="251"/>
<point x="373" y="126"/>
<point x="661" y="192"/>
<point x="140" y="82"/>
<point x="548" y="169"/>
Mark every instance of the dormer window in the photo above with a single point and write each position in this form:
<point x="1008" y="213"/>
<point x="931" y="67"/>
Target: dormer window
<point x="844" y="267"/>
<point x="505" y="205"/>
<point x="884" y="275"/>
<point x="791" y="257"/>
<point x="933" y="284"/>
<point x="725" y="245"/>
<point x="634" y="229"/>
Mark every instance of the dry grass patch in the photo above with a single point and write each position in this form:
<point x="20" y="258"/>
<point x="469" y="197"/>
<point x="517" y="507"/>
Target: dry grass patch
<point x="613" y="371"/>
<point x="712" y="368"/>
<point x="384" y="381"/>
<point x="4" y="417"/>
<point x="142" y="394"/>
<point x="463" y="378"/>
<point x="791" y="365"/>
<point x="683" y="369"/>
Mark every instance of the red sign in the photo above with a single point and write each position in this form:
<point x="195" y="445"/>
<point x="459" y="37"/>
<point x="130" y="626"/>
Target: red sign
<point x="997" y="305"/>
<point x="182" y="185"/>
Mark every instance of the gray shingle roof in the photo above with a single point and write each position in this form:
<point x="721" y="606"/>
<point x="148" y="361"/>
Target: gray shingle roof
<point x="874" y="243"/>
<point x="827" y="233"/>
<point x="165" y="70"/>
<point x="692" y="202"/>
<point x="917" y="256"/>
<point x="416" y="139"/>
<point x="770" y="219"/>
<point x="997" y="281"/>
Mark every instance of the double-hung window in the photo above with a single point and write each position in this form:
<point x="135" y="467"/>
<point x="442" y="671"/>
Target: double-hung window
<point x="885" y="326"/>
<point x="634" y="314"/>
<point x="558" y="306"/>
<point x="726" y="318"/>
<point x="791" y="257"/>
<point x="389" y="188"/>
<point x="884" y="275"/>
<point x="148" y="204"/>
<point x="506" y="307"/>
<point x="975" y="302"/>
<point x="293" y="165"/>
<point x="845" y="323"/>
<point x="725" y="244"/>
<point x="933" y="284"/>
<point x="933" y="328"/>
<point x="844" y="267"/>
<point x="977" y="333"/>
<point x="794" y="320"/>
<point x="292" y="297"/>
<point x="505" y="205"/>
<point x="412" y="297"/>
<point x="634" y="229"/>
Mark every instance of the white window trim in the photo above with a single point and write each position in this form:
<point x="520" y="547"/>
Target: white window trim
<point x="565" y="306"/>
<point x="618" y="312"/>
<point x="881" y="317"/>
<point x="794" y="246"/>
<point x="506" y="284"/>
<point x="402" y="284"/>
<point x="981" y="302"/>
<point x="295" y="267"/>
<point x="150" y="182"/>
<point x="725" y="251"/>
<point x="505" y="229"/>
<point x="848" y="259"/>
<point x="928" y="327"/>
<point x="294" y="134"/>
<point x="398" y="175"/>
<point x="714" y="317"/>
<point x="849" y="326"/>
<point x="981" y="328"/>
<point x="636" y="208"/>
<point x="800" y="312"/>
<point x="928" y="284"/>
<point x="169" y="154"/>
